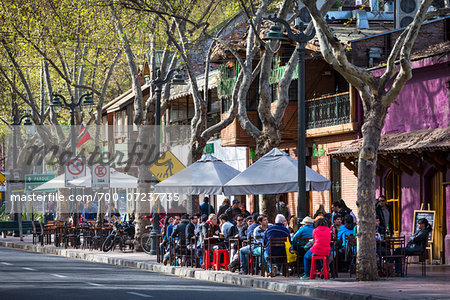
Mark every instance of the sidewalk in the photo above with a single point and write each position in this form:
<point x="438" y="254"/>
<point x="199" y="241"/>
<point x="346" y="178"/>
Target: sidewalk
<point x="434" y="286"/>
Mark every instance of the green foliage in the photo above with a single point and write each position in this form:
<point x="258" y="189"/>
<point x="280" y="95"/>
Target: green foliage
<point x="4" y="216"/>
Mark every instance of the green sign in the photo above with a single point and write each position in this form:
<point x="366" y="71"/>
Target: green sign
<point x="318" y="150"/>
<point x="209" y="149"/>
<point x="34" y="180"/>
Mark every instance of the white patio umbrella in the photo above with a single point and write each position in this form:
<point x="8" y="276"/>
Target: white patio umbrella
<point x="206" y="176"/>
<point x="274" y="173"/>
<point x="56" y="183"/>
<point x="117" y="180"/>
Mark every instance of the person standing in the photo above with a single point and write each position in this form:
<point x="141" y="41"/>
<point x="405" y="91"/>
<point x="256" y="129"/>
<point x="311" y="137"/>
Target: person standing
<point x="233" y="211"/>
<point x="283" y="209"/>
<point x="206" y="208"/>
<point x="225" y="205"/>
<point x="384" y="215"/>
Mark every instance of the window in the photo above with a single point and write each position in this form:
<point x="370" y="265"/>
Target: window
<point x="335" y="171"/>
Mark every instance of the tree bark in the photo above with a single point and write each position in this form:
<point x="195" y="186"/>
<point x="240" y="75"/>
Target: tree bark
<point x="367" y="164"/>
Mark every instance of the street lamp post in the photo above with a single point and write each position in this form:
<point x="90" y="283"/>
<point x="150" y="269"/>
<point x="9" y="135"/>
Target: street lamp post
<point x="159" y="82"/>
<point x="16" y="122"/>
<point x="301" y="38"/>
<point x="56" y="102"/>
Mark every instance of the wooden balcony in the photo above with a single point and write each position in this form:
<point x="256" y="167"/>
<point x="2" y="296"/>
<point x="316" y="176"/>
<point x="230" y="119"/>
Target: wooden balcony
<point x="327" y="115"/>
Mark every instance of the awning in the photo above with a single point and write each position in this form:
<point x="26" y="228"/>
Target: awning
<point x="433" y="139"/>
<point x="123" y="100"/>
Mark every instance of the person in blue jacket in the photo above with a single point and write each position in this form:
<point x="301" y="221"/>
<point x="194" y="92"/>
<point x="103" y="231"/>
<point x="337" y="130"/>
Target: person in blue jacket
<point x="345" y="230"/>
<point x="277" y="230"/>
<point x="206" y="208"/>
<point x="306" y="231"/>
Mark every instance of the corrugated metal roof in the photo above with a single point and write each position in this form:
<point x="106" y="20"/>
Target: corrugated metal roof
<point x="418" y="140"/>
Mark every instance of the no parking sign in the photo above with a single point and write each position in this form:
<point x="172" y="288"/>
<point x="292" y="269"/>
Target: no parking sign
<point x="100" y="176"/>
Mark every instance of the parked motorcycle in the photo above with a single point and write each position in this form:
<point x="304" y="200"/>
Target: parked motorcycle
<point x="121" y="235"/>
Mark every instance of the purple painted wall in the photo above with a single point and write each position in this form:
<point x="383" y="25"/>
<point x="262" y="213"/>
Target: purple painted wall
<point x="424" y="101"/>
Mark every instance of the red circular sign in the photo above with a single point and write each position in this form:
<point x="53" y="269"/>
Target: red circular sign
<point x="75" y="166"/>
<point x="100" y="171"/>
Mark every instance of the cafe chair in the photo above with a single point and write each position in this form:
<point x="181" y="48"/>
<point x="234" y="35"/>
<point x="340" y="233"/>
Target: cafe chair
<point x="422" y="260"/>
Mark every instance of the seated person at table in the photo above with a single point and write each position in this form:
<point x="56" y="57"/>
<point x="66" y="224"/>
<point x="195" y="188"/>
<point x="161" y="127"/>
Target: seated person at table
<point x="180" y="229"/>
<point x="168" y="235"/>
<point x="240" y="224"/>
<point x="336" y="226"/>
<point x="201" y="233"/>
<point x="321" y="245"/>
<point x="244" y="213"/>
<point x="171" y="226"/>
<point x="243" y="232"/>
<point x="345" y="230"/>
<point x="379" y="231"/>
<point x="277" y="230"/>
<point x="304" y="232"/>
<point x="112" y="213"/>
<point x="257" y="238"/>
<point x="228" y="229"/>
<point x="190" y="228"/>
<point x="89" y="212"/>
<point x="416" y="244"/>
<point x="234" y="258"/>
<point x="251" y="227"/>
<point x="212" y="228"/>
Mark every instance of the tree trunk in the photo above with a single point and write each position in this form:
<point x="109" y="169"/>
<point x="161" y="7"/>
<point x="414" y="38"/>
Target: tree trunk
<point x="269" y="139"/>
<point x="267" y="206"/>
<point x="144" y="182"/>
<point x="366" y="267"/>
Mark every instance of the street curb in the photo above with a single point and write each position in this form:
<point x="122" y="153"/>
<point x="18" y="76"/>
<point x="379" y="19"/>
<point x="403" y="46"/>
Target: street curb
<point x="233" y="279"/>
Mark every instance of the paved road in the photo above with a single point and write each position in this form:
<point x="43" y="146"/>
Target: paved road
<point x="25" y="275"/>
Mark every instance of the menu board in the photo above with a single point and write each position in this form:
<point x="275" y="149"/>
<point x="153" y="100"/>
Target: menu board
<point x="427" y="214"/>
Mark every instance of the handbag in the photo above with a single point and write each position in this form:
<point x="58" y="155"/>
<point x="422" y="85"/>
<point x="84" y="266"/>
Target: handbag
<point x="290" y="253"/>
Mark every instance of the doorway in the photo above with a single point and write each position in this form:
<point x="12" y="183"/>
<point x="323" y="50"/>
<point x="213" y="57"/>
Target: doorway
<point x="393" y="197"/>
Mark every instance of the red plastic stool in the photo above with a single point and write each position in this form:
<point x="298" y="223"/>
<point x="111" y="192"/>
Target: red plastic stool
<point x="314" y="271"/>
<point x="206" y="260"/>
<point x="217" y="263"/>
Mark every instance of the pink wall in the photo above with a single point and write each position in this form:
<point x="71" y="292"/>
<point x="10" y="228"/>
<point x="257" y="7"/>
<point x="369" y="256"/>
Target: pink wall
<point x="424" y="101"/>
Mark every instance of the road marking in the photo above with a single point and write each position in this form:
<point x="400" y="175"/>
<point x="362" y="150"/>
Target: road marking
<point x="57" y="275"/>
<point x="140" y="295"/>
<point x="94" y="284"/>
<point x="29" y="269"/>
<point x="6" y="264"/>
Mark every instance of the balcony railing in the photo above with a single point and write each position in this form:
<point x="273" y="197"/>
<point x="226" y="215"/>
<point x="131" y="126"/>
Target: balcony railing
<point x="327" y="111"/>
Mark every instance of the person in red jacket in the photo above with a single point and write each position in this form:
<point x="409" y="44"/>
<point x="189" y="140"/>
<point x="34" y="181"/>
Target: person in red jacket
<point x="321" y="245"/>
